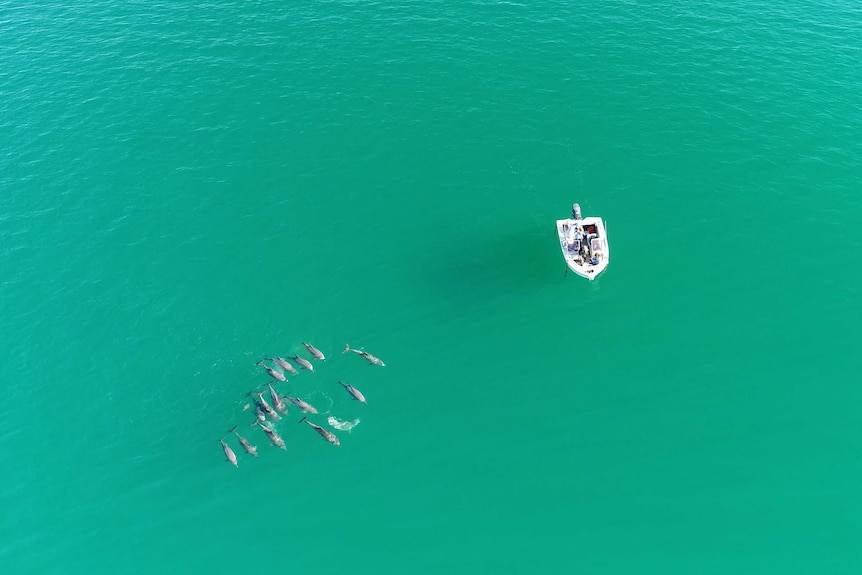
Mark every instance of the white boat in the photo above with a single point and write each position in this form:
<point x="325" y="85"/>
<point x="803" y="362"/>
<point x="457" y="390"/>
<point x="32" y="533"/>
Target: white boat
<point x="584" y="242"/>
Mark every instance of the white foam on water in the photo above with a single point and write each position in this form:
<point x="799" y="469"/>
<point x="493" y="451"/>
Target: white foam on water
<point x="342" y="425"/>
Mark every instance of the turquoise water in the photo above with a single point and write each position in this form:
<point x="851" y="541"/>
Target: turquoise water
<point x="187" y="187"/>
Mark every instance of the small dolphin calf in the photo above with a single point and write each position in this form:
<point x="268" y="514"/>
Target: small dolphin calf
<point x="283" y="363"/>
<point x="259" y="412"/>
<point x="249" y="448"/>
<point x="314" y="351"/>
<point x="228" y="453"/>
<point x="324" y="433"/>
<point x="371" y="359"/>
<point x="303" y="363"/>
<point x="274" y="437"/>
<point x="272" y="372"/>
<point x="305" y="407"/>
<point x="357" y="395"/>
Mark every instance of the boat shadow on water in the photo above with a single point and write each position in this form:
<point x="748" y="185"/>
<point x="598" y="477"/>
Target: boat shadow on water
<point x="509" y="263"/>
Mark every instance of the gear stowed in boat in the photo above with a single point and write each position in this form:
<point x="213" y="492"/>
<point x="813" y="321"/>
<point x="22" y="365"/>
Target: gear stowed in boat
<point x="584" y="242"/>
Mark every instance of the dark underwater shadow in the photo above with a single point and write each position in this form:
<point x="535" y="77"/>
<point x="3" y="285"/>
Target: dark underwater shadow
<point x="512" y="262"/>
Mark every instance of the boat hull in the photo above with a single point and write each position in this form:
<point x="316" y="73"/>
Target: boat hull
<point x="584" y="243"/>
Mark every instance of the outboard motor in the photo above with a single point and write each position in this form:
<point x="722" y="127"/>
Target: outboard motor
<point x="576" y="211"/>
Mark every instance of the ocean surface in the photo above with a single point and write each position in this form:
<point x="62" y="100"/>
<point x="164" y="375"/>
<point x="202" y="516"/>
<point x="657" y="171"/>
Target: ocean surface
<point x="187" y="187"/>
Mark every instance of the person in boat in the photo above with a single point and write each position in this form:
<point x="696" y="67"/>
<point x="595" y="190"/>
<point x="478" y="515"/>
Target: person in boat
<point x="585" y="251"/>
<point x="569" y="233"/>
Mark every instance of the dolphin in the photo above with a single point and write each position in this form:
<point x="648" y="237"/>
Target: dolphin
<point x="283" y="363"/>
<point x="228" y="452"/>
<point x="303" y="363"/>
<point x="371" y="359"/>
<point x="272" y="372"/>
<point x="249" y="448"/>
<point x="314" y="351"/>
<point x="357" y="395"/>
<point x="305" y="407"/>
<point x="259" y="412"/>
<point x="274" y="437"/>
<point x="266" y="407"/>
<point x="324" y="433"/>
<point x="276" y="400"/>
